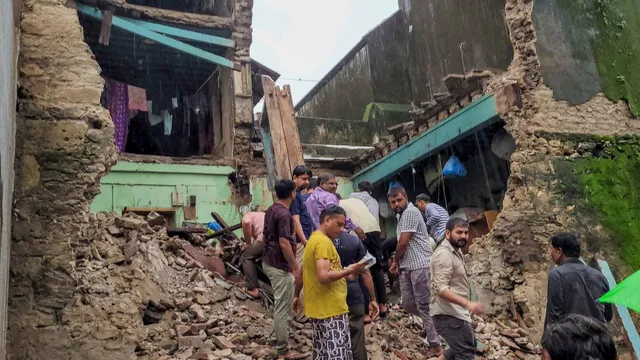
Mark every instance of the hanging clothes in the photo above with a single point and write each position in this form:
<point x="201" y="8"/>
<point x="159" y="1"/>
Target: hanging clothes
<point x="118" y="105"/>
<point x="168" y="121"/>
<point x="137" y="98"/>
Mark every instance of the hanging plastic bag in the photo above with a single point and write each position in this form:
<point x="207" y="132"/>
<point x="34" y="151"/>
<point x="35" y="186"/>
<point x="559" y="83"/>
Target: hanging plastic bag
<point x="454" y="167"/>
<point x="392" y="184"/>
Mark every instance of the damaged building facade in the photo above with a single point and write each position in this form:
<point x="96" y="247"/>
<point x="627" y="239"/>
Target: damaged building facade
<point x="537" y="134"/>
<point x="546" y="145"/>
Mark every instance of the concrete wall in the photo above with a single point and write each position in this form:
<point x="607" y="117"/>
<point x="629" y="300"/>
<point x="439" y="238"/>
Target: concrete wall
<point x="346" y="94"/>
<point x="454" y="37"/>
<point x="389" y="62"/>
<point x="8" y="86"/>
<point x="588" y="46"/>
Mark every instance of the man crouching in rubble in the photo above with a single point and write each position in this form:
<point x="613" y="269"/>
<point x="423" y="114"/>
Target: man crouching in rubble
<point x="452" y="307"/>
<point x="252" y="230"/>
<point x="279" y="262"/>
<point x="325" y="301"/>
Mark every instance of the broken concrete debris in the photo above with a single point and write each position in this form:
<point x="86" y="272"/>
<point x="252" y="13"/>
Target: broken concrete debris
<point x="166" y="305"/>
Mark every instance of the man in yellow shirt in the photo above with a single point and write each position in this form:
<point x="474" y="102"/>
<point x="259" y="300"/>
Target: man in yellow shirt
<point x="325" y="293"/>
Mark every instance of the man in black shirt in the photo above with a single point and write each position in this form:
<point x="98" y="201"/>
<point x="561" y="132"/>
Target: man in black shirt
<point x="574" y="287"/>
<point x="351" y="250"/>
<point x="279" y="263"/>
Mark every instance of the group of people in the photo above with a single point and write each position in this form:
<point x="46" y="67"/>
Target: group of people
<point x="314" y="247"/>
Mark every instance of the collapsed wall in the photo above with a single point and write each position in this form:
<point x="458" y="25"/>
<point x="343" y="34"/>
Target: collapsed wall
<point x="64" y="145"/>
<point x="554" y="139"/>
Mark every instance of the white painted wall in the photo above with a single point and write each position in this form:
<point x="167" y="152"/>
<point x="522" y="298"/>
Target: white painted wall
<point x="9" y="14"/>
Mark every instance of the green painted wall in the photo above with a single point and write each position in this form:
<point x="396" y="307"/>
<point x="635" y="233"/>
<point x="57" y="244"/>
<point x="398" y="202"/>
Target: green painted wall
<point x="151" y="185"/>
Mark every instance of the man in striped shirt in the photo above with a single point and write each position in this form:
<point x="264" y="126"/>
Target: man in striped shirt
<point x="435" y="216"/>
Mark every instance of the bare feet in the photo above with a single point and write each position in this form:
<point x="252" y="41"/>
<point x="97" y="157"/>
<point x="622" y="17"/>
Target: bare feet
<point x="367" y="319"/>
<point x="435" y="351"/>
<point x="254" y="293"/>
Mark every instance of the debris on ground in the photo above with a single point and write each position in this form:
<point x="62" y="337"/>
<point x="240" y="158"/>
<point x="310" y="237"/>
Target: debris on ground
<point x="170" y="298"/>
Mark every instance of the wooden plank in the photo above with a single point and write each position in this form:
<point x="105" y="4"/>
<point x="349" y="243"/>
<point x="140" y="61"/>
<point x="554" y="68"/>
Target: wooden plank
<point x="216" y="114"/>
<point x="227" y="230"/>
<point x="165" y="40"/>
<point x="290" y="127"/>
<point x="105" y="28"/>
<point x="228" y="111"/>
<point x="184" y="34"/>
<point x="165" y="15"/>
<point x="283" y="167"/>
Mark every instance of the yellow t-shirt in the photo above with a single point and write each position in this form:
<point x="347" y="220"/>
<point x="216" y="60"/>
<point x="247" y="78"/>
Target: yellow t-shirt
<point x="320" y="301"/>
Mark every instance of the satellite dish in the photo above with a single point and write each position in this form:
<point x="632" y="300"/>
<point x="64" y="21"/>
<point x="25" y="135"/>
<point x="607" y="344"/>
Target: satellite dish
<point x="385" y="209"/>
<point x="503" y="145"/>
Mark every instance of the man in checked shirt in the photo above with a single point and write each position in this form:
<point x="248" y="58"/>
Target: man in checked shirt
<point x="412" y="258"/>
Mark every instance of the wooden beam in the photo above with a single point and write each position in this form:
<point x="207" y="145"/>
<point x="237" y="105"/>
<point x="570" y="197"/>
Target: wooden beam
<point x="165" y="40"/>
<point x="216" y="115"/>
<point x="290" y="127"/>
<point x="105" y="27"/>
<point x="279" y="142"/>
<point x="155" y="14"/>
<point x="184" y="34"/>
<point x="228" y="111"/>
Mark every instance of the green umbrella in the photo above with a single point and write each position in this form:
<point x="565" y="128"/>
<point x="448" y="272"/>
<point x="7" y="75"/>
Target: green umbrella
<point x="626" y="293"/>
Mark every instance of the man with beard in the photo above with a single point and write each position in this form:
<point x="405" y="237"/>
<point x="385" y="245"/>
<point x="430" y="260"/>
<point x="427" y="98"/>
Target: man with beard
<point x="301" y="219"/>
<point x="325" y="287"/>
<point x="412" y="258"/>
<point x="325" y="196"/>
<point x="452" y="307"/>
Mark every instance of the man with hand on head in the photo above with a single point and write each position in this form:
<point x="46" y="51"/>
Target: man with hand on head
<point x="325" y="288"/>
<point x="452" y="306"/>
<point x="279" y="263"/>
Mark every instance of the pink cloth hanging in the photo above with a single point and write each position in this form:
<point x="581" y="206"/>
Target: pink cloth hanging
<point x="118" y="104"/>
<point x="137" y="98"/>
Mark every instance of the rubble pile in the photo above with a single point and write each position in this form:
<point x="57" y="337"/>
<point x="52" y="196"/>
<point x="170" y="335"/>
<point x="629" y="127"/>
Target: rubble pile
<point x="160" y="297"/>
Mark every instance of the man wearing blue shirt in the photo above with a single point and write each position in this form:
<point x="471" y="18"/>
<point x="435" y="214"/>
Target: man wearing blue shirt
<point x="302" y="221"/>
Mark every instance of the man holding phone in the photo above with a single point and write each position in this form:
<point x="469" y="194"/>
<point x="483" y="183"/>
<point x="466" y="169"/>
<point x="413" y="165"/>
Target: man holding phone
<point x="325" y="288"/>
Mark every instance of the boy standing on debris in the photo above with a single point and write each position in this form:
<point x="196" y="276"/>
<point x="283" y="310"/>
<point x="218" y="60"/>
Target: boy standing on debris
<point x="452" y="307"/>
<point x="326" y="288"/>
<point x="412" y="258"/>
<point x="279" y="263"/>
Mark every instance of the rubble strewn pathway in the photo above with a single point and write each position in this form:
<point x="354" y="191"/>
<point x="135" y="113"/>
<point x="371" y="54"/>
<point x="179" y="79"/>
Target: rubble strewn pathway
<point x="160" y="303"/>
